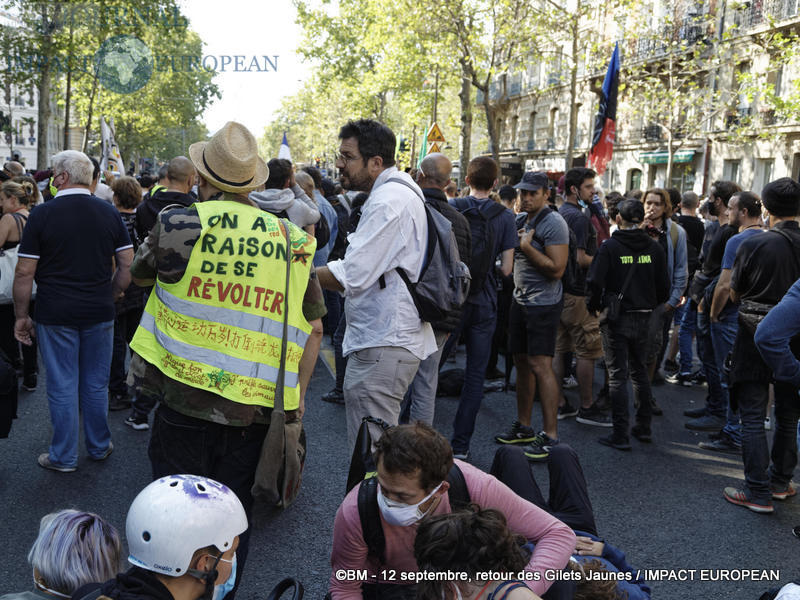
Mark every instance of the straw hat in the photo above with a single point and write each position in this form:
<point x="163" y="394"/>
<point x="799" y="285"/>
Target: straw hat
<point x="229" y="160"/>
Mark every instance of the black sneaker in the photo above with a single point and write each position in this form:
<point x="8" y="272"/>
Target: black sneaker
<point x="642" y="433"/>
<point x="567" y="410"/>
<point x="698" y="378"/>
<point x="334" y="397"/>
<point x="695" y="413"/>
<point x="722" y="444"/>
<point x="29" y="383"/>
<point x="657" y="412"/>
<point x="618" y="443"/>
<point x="671" y="367"/>
<point x="119" y="402"/>
<point x="594" y="416"/>
<point x="539" y="449"/>
<point x="680" y="379"/>
<point x="137" y="423"/>
<point x="519" y="434"/>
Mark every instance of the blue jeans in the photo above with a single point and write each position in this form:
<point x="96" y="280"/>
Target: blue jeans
<point x="78" y="363"/>
<point x="723" y="335"/>
<point x="752" y="397"/>
<point x="688" y="327"/>
<point x="717" y="400"/>
<point x="477" y="326"/>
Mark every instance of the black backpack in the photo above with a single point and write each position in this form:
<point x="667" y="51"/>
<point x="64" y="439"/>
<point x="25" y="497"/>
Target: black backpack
<point x="369" y="513"/>
<point x="570" y="276"/>
<point x="343" y="219"/>
<point x="444" y="280"/>
<point x="483" y="241"/>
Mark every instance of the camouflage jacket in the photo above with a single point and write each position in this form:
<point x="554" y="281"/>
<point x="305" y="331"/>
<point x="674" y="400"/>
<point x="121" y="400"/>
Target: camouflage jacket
<point x="165" y="254"/>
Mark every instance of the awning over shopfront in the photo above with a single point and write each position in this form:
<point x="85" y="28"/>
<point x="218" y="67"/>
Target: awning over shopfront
<point x="661" y="157"/>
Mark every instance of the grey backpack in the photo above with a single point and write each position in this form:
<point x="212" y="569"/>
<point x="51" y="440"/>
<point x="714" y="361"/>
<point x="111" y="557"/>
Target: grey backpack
<point x="443" y="284"/>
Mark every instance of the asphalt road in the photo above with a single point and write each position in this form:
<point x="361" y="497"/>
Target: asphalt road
<point x="662" y="503"/>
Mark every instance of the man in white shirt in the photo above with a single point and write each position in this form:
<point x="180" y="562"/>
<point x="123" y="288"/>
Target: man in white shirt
<point x="385" y="339"/>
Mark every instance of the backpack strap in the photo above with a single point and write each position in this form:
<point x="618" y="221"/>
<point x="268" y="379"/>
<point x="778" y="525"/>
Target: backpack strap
<point x="369" y="515"/>
<point x="792" y="248"/>
<point x="458" y="492"/>
<point x="20" y="220"/>
<point x="673" y="233"/>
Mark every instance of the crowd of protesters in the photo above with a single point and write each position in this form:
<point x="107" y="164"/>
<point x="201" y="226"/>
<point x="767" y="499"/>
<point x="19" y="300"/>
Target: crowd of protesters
<point x="565" y="279"/>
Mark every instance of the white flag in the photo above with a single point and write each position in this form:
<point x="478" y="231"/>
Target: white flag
<point x="284" y="151"/>
<point x="111" y="160"/>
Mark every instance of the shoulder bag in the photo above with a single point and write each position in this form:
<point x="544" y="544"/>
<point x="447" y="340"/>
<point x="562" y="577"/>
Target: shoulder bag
<point x="283" y="454"/>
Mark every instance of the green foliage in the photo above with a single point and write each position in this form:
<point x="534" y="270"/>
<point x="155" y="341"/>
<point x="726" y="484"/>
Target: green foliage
<point x="156" y="119"/>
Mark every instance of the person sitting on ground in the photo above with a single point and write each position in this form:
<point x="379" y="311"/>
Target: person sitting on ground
<point x="569" y="502"/>
<point x="473" y="542"/>
<point x="415" y="468"/>
<point x="284" y="197"/>
<point x="73" y="548"/>
<point x="182" y="532"/>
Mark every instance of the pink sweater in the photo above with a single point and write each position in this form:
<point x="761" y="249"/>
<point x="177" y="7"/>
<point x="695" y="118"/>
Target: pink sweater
<point x="555" y="542"/>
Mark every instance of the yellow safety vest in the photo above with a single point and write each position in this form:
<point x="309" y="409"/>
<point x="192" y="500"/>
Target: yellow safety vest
<point x="219" y="328"/>
<point x="156" y="188"/>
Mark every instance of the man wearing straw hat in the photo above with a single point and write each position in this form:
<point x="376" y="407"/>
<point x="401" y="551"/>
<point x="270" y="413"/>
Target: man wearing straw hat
<point x="210" y="339"/>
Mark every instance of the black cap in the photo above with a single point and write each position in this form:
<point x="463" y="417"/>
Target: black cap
<point x="507" y="192"/>
<point x="533" y="181"/>
<point x="631" y="211"/>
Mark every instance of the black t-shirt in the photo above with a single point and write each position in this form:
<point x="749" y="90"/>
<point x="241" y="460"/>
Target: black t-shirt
<point x="585" y="236"/>
<point x="766" y="265"/>
<point x="74" y="237"/>
<point x="712" y="264"/>
<point x="695" y="230"/>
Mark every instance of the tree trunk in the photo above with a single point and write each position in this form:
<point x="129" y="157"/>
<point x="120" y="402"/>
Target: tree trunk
<point x="670" y="152"/>
<point x="90" y="115"/>
<point x="68" y="95"/>
<point x="573" y="92"/>
<point x="43" y="87"/>
<point x="466" y="125"/>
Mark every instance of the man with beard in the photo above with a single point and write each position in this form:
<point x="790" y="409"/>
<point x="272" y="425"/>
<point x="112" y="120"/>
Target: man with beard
<point x="385" y="339"/>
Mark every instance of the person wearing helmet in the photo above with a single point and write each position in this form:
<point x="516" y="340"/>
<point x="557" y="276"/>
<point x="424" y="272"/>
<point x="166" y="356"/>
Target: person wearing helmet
<point x="182" y="532"/>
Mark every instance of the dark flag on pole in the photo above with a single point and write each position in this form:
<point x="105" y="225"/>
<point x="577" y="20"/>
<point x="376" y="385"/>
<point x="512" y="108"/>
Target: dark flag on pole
<point x="605" y="123"/>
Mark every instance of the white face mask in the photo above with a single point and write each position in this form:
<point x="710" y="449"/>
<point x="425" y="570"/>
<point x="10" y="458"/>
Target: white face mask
<point x="402" y="515"/>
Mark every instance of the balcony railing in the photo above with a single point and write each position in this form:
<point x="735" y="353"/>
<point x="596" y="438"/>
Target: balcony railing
<point x="690" y="32"/>
<point x="756" y="12"/>
<point x="651" y="133"/>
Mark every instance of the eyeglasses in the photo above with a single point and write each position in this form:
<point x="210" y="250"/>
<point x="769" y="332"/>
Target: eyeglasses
<point x="345" y="158"/>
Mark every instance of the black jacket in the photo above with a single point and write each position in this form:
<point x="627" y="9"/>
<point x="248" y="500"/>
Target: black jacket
<point x="133" y="584"/>
<point x="148" y="210"/>
<point x="438" y="200"/>
<point x="649" y="285"/>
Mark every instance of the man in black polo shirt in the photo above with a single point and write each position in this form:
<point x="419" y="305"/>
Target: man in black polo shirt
<point x="766" y="266"/>
<point x="68" y="245"/>
<point x="710" y="417"/>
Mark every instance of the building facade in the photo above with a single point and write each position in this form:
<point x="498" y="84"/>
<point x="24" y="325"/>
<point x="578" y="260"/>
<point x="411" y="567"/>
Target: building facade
<point x="739" y="138"/>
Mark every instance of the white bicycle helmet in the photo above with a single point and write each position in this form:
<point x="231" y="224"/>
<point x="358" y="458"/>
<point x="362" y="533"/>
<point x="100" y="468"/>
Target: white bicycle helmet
<point x="175" y="516"/>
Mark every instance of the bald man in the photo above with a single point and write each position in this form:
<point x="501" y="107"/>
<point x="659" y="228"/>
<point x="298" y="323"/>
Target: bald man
<point x="12" y="168"/>
<point x="433" y="177"/>
<point x="180" y="176"/>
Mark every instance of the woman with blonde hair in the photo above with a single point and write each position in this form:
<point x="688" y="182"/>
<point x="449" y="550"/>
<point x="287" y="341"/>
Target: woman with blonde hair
<point x="17" y="197"/>
<point x="73" y="548"/>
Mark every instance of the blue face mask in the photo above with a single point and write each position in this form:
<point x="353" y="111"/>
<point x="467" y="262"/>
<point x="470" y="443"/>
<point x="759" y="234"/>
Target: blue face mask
<point x="581" y="203"/>
<point x="220" y="591"/>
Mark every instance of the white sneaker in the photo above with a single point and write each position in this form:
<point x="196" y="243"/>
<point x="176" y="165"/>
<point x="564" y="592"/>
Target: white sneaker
<point x="570" y="382"/>
<point x="768" y="424"/>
